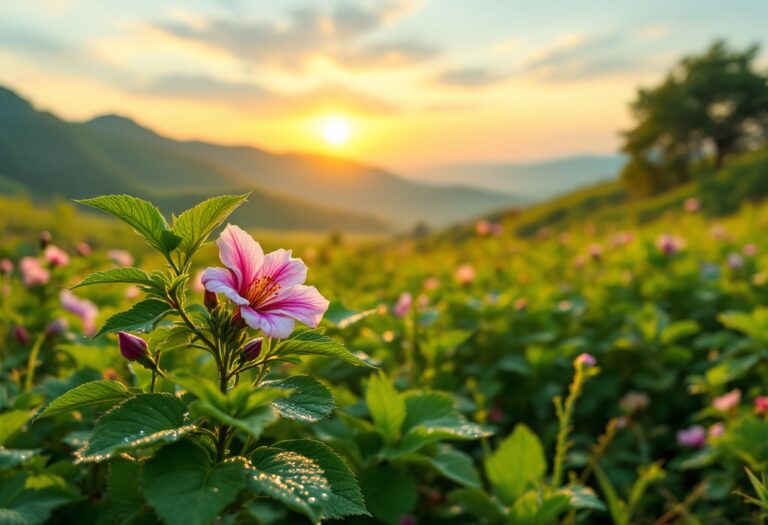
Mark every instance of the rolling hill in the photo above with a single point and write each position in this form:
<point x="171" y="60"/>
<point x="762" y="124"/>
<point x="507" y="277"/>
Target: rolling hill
<point x="48" y="156"/>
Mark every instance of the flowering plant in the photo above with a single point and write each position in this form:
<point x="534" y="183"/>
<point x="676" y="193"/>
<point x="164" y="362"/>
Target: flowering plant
<point x="189" y="429"/>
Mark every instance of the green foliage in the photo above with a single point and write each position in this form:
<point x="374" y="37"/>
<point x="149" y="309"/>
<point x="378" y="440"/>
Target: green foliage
<point x="518" y="461"/>
<point x="309" y="342"/>
<point x="386" y="406"/>
<point x="142" y="316"/>
<point x="123" y="275"/>
<point x="141" y="421"/>
<point x="196" y="224"/>
<point x="95" y="394"/>
<point x="24" y="503"/>
<point x="309" y="401"/>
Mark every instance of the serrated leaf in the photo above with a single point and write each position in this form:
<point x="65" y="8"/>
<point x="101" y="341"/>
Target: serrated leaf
<point x="196" y="224"/>
<point x="11" y="422"/>
<point x="517" y="461"/>
<point x="93" y="394"/>
<point x="310" y="342"/>
<point x="125" y="497"/>
<point x="184" y="486"/>
<point x="21" y="504"/>
<point x="142" y="317"/>
<point x="10" y="458"/>
<point x="345" y="498"/>
<point x="141" y="215"/>
<point x="309" y="402"/>
<point x="386" y="406"/>
<point x="141" y="421"/>
<point x="126" y="275"/>
<point x="291" y="478"/>
<point x="254" y="423"/>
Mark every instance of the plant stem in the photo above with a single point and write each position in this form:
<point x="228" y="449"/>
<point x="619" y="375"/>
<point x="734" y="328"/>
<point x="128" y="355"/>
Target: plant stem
<point x="32" y="362"/>
<point x="564" y="414"/>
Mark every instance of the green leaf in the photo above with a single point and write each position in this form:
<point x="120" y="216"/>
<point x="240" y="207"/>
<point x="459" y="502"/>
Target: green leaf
<point x="345" y="498"/>
<point x="678" y="330"/>
<point x="518" y="461"/>
<point x="21" y="504"/>
<point x="309" y="342"/>
<point x="291" y="478"/>
<point x="390" y="492"/>
<point x="93" y="394"/>
<point x="254" y="423"/>
<point x="122" y="275"/>
<point x="479" y="503"/>
<point x="185" y="487"/>
<point x="454" y="465"/>
<point x="310" y="401"/>
<point x="386" y="406"/>
<point x="141" y="421"/>
<point x="196" y="224"/>
<point x="142" y="316"/>
<point x="582" y="497"/>
<point x="125" y="497"/>
<point x="616" y="507"/>
<point x="422" y="407"/>
<point x="10" y="458"/>
<point x="11" y="422"/>
<point x="141" y="215"/>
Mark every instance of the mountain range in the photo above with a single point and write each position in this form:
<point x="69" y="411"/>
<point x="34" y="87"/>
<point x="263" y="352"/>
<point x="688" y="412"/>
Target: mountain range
<point x="532" y="181"/>
<point x="45" y="156"/>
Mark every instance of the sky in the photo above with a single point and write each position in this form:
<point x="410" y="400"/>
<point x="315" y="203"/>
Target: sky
<point x="406" y="84"/>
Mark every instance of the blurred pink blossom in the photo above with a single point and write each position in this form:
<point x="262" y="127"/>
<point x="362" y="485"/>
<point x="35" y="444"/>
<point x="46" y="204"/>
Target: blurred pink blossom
<point x="32" y="272"/>
<point x="669" y="244"/>
<point x="482" y="227"/>
<point x="497" y="229"/>
<point x="6" y="266"/>
<point x="727" y="401"/>
<point x="465" y="273"/>
<point x="716" y="430"/>
<point x="84" y="249"/>
<point x="634" y="402"/>
<point x="403" y="305"/>
<point x="521" y="304"/>
<point x="691" y="205"/>
<point x="431" y="283"/>
<point x="82" y="308"/>
<point x="595" y="251"/>
<point x="55" y="255"/>
<point x="586" y="360"/>
<point x="735" y="261"/>
<point x="120" y="257"/>
<point x="761" y="404"/>
<point x="750" y="250"/>
<point x="132" y="292"/>
<point x="693" y="437"/>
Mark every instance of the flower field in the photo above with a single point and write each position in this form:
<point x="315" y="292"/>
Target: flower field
<point x="184" y="373"/>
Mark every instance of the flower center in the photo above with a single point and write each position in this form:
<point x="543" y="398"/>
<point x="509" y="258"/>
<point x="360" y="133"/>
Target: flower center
<point x="261" y="290"/>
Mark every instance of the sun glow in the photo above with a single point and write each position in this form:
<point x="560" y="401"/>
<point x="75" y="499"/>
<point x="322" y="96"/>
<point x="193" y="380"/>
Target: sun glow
<point x="336" y="130"/>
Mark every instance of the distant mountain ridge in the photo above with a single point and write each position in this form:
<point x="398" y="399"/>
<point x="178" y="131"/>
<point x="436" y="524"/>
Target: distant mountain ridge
<point x="113" y="154"/>
<point x="532" y="181"/>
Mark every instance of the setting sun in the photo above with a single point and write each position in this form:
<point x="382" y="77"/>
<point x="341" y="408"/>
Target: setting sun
<point x="336" y="131"/>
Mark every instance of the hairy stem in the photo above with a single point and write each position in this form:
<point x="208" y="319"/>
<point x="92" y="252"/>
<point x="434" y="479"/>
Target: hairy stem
<point x="32" y="362"/>
<point x="564" y="415"/>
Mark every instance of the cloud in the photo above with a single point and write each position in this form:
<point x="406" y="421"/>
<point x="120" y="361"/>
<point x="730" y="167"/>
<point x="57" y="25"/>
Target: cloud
<point x="252" y="96"/>
<point x="341" y="34"/>
<point x="581" y="57"/>
<point x="470" y="77"/>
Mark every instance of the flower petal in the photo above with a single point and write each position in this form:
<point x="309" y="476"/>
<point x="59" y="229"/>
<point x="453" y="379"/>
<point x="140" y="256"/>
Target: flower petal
<point x="241" y="254"/>
<point x="270" y="323"/>
<point x="283" y="269"/>
<point x="221" y="280"/>
<point x="303" y="303"/>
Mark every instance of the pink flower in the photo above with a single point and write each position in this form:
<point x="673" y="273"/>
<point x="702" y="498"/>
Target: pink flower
<point x="595" y="251"/>
<point x="82" y="308"/>
<point x="716" y="430"/>
<point x="761" y="404"/>
<point x="521" y="304"/>
<point x="84" y="249"/>
<point x="728" y="401"/>
<point x="465" y="273"/>
<point x="55" y="255"/>
<point x="6" y="266"/>
<point x="431" y="283"/>
<point x="750" y="250"/>
<point x="669" y="244"/>
<point x="268" y="290"/>
<point x="120" y="257"/>
<point x="403" y="305"/>
<point x="586" y="360"/>
<point x="32" y="272"/>
<point x="693" y="437"/>
<point x="482" y="227"/>
<point x="691" y="205"/>
<point x="497" y="230"/>
<point x="735" y="261"/>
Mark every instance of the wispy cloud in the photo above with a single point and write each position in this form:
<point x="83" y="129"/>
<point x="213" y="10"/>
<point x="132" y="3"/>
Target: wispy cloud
<point x="342" y="34"/>
<point x="471" y="77"/>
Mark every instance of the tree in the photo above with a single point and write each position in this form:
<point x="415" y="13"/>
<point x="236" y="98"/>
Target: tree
<point x="709" y="107"/>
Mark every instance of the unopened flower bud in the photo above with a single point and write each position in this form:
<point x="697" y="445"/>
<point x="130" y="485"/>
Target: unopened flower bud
<point x="585" y="360"/>
<point x="132" y="347"/>
<point x="210" y="300"/>
<point x="21" y="335"/>
<point x="252" y="349"/>
<point x="45" y="239"/>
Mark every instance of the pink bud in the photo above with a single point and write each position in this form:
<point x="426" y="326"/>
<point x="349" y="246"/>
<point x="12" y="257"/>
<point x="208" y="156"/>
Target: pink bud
<point x="132" y="347"/>
<point x="403" y="305"/>
<point x="716" y="430"/>
<point x="761" y="404"/>
<point x="585" y="360"/>
<point x="252" y="348"/>
<point x="693" y="437"/>
<point x="21" y="335"/>
<point x="210" y="300"/>
<point x="84" y="249"/>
